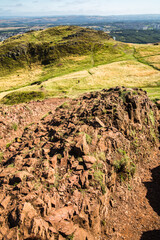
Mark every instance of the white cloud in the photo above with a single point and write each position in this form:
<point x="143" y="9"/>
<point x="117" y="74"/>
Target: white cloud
<point x="78" y="7"/>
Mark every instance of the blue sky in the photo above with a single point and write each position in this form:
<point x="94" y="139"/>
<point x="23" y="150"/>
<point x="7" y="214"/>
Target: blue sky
<point x="77" y="7"/>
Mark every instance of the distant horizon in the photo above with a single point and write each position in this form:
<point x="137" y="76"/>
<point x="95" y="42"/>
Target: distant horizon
<point x="81" y="15"/>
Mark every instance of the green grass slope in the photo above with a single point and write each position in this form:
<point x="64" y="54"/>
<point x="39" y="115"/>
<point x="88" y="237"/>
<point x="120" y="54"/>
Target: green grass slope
<point x="47" y="46"/>
<point x="54" y="52"/>
<point x="65" y="61"/>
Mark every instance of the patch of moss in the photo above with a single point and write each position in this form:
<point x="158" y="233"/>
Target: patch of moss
<point x="8" y="145"/>
<point x="14" y="126"/>
<point x="99" y="175"/>
<point x="88" y="139"/>
<point x="1" y="156"/>
<point x="153" y="134"/>
<point x="64" y="105"/>
<point x="101" y="156"/>
<point x="151" y="116"/>
<point x="70" y="237"/>
<point x="11" y="165"/>
<point x="57" y="179"/>
<point x="20" y="97"/>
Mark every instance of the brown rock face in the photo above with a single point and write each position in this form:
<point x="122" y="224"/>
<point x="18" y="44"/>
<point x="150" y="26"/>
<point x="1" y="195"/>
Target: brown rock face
<point x="70" y="176"/>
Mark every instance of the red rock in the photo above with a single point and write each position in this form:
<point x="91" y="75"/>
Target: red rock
<point x="60" y="214"/>
<point x="60" y="220"/>
<point x="73" y="180"/>
<point x="89" y="159"/>
<point x="23" y="175"/>
<point x="6" y="171"/>
<point x="11" y="148"/>
<point x="82" y="234"/>
<point x="75" y="164"/>
<point x="28" y="212"/>
<point x="6" y="201"/>
<point x="45" y="151"/>
<point x="79" y="205"/>
<point x="53" y="161"/>
<point x="84" y="178"/>
<point x="85" y="145"/>
<point x="88" y="165"/>
<point x="61" y="238"/>
<point x="100" y="122"/>
<point x="64" y="162"/>
<point x="66" y="227"/>
<point x="79" y="168"/>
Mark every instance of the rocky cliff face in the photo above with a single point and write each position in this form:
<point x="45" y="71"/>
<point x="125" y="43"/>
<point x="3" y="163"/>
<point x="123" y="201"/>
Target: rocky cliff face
<point x="76" y="174"/>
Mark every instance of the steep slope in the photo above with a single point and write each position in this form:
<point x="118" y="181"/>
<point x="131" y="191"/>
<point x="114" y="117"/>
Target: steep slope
<point x="78" y="174"/>
<point x="36" y="56"/>
<point x="47" y="46"/>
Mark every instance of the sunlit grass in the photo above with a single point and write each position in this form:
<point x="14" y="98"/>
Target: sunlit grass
<point x="124" y="73"/>
<point x="153" y="93"/>
<point x="103" y="54"/>
<point x="21" y="78"/>
<point x="144" y="50"/>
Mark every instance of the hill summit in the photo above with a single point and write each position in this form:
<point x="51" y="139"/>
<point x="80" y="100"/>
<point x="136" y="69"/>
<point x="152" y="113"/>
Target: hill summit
<point x="47" y="46"/>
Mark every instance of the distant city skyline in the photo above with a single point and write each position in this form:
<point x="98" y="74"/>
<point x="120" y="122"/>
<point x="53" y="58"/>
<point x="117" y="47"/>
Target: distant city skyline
<point x="77" y="7"/>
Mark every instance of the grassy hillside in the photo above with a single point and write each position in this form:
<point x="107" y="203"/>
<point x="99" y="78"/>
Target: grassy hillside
<point x="47" y="47"/>
<point x="67" y="60"/>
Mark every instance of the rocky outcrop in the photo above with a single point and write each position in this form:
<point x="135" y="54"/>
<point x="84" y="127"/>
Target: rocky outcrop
<point x="58" y="179"/>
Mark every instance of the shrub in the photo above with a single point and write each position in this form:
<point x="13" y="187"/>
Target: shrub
<point x="14" y="126"/>
<point x="124" y="167"/>
<point x="98" y="175"/>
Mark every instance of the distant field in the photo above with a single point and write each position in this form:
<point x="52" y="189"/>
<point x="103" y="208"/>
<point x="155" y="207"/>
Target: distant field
<point x="10" y="28"/>
<point x="136" y="35"/>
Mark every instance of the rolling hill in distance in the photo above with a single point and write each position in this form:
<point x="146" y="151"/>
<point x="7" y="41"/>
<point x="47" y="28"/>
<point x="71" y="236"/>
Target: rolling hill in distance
<point x="69" y="60"/>
<point x="125" y="28"/>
